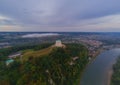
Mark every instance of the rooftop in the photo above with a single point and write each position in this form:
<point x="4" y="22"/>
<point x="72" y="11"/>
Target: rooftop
<point x="9" y="61"/>
<point x="58" y="40"/>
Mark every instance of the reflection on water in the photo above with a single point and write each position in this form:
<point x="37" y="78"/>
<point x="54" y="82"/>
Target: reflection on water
<point x="97" y="72"/>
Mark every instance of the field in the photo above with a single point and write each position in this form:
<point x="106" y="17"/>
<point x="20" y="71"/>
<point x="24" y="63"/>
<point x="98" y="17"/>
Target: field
<point x="39" y="53"/>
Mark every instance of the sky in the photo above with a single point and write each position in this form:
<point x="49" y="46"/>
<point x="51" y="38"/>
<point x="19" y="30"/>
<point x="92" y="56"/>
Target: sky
<point x="60" y="15"/>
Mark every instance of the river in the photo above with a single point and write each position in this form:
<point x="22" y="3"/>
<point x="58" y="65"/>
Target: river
<point x="98" y="72"/>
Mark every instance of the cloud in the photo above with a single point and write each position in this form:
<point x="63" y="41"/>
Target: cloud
<point x="102" y="23"/>
<point x="40" y="35"/>
<point x="5" y="20"/>
<point x="59" y="15"/>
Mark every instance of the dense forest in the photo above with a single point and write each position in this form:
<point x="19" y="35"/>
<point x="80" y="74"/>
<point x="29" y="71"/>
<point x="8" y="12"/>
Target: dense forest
<point x="116" y="75"/>
<point x="63" y="66"/>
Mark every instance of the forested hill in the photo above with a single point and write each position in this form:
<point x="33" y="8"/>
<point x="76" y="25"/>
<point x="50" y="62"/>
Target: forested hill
<point x="62" y="66"/>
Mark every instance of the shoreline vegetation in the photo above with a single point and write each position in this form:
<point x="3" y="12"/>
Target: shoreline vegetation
<point x="112" y="72"/>
<point x="115" y="75"/>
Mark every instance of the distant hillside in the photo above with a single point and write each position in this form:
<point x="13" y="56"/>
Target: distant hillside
<point x="48" y="66"/>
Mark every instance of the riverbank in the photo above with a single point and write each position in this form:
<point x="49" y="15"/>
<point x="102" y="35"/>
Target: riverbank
<point x="110" y="73"/>
<point x="99" y="51"/>
<point x="115" y="78"/>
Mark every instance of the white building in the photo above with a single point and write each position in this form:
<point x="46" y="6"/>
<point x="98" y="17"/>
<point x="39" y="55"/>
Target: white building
<point x="59" y="44"/>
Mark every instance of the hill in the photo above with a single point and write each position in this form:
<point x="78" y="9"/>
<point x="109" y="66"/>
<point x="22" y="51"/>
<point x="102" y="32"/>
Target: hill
<point x="48" y="66"/>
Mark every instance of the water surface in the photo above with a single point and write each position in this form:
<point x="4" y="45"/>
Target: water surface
<point x="98" y="71"/>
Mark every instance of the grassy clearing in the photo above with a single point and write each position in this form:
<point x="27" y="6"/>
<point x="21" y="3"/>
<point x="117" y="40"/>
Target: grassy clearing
<point x="39" y="53"/>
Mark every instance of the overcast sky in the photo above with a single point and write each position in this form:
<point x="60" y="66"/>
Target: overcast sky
<point x="60" y="15"/>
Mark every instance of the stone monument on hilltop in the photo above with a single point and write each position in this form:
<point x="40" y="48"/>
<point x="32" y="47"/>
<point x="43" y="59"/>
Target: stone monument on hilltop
<point x="59" y="44"/>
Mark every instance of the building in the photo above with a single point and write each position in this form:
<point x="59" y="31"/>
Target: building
<point x="9" y="61"/>
<point x="58" y="43"/>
